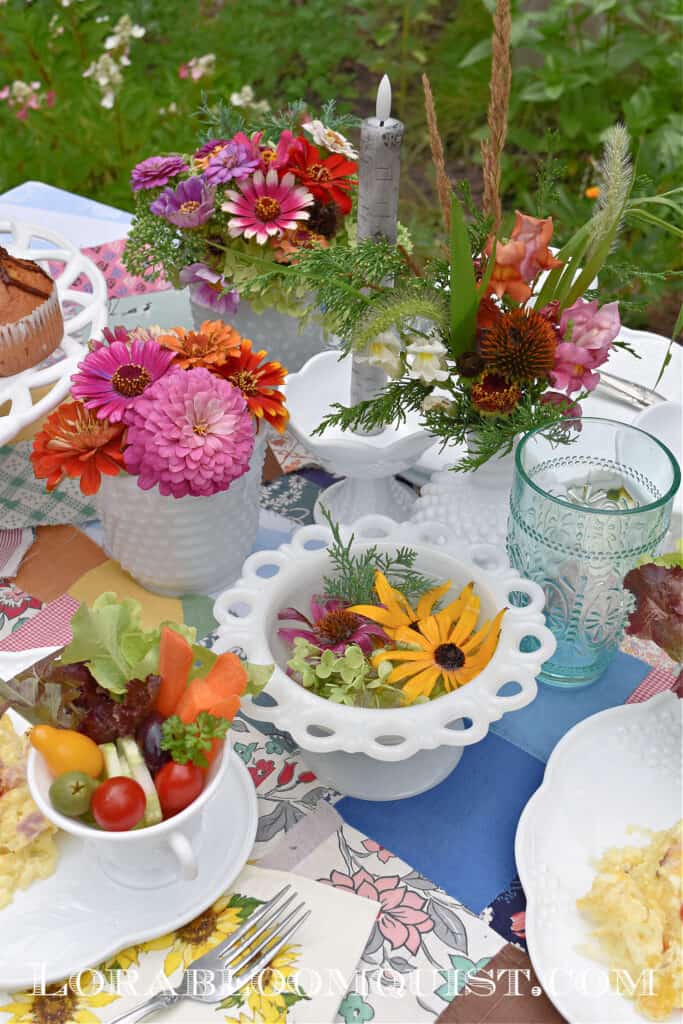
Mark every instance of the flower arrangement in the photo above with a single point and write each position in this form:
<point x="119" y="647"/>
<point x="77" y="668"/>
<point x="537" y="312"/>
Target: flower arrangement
<point x="177" y="409"/>
<point x="503" y="335"/>
<point x="251" y="197"/>
<point x="396" y="645"/>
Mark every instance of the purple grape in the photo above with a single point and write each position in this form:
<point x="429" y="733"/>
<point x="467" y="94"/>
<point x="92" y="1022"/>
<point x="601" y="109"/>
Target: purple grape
<point x="149" y="736"/>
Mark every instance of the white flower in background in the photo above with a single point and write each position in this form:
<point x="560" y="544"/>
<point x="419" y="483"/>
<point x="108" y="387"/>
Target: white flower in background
<point x="107" y="74"/>
<point x="384" y="351"/>
<point x="198" y="67"/>
<point x="124" y="31"/>
<point x="335" y="142"/>
<point x="436" y="401"/>
<point x="55" y="27"/>
<point x="245" y="98"/>
<point x="172" y="108"/>
<point x="426" y="361"/>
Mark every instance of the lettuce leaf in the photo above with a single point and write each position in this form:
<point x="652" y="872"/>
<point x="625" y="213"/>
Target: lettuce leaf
<point x="110" y="639"/>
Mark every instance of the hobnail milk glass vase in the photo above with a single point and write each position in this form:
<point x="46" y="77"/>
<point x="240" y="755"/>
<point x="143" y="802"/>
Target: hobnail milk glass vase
<point x="278" y="333"/>
<point x="190" y="545"/>
<point x="581" y="515"/>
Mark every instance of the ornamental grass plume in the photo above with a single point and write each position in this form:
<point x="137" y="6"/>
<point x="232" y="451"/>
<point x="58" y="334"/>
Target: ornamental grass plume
<point x="191" y="433"/>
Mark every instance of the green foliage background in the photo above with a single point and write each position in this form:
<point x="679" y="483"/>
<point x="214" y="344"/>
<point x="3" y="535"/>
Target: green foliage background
<point x="579" y="65"/>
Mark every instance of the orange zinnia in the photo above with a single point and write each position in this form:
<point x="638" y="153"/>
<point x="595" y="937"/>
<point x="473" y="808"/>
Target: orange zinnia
<point x="75" y="443"/>
<point x="258" y="383"/>
<point x="210" y="346"/>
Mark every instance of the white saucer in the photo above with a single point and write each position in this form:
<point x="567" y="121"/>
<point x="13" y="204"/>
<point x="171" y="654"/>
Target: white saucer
<point x="79" y="917"/>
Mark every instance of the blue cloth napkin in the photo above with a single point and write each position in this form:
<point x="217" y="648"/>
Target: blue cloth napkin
<point x="538" y="727"/>
<point x="461" y="833"/>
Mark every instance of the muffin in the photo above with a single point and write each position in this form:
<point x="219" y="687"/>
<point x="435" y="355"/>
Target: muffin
<point x="31" y="325"/>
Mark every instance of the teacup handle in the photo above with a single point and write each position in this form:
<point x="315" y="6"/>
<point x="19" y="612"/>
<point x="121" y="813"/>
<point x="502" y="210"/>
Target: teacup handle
<point x="185" y="855"/>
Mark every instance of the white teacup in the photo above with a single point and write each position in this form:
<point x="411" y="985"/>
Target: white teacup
<point x="145" y="858"/>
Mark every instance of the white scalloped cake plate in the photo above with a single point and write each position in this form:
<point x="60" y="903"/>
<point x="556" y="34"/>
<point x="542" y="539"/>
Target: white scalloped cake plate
<point x="84" y="312"/>
<point x="617" y="769"/>
<point x="79" y="917"/>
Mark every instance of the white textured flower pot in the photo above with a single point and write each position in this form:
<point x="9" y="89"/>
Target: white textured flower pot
<point x="185" y="545"/>
<point x="474" y="505"/>
<point x="383" y="754"/>
<point x="280" y="334"/>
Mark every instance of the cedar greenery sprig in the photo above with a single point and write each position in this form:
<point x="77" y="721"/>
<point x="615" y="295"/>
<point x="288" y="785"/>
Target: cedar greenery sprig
<point x="353" y="578"/>
<point x="221" y="120"/>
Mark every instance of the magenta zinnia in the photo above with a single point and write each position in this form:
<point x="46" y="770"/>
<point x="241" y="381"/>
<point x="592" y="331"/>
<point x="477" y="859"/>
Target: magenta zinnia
<point x="267" y="206"/>
<point x="331" y="627"/>
<point x="190" y="433"/>
<point x="112" y="377"/>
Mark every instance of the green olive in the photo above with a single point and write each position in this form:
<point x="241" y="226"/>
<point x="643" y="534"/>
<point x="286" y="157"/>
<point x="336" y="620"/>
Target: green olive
<point x="71" y="793"/>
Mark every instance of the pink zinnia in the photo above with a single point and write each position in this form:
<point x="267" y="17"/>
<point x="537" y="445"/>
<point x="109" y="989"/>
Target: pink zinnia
<point x="190" y="433"/>
<point x="112" y="377"/>
<point x="331" y="627"/>
<point x="156" y="171"/>
<point x="267" y="206"/>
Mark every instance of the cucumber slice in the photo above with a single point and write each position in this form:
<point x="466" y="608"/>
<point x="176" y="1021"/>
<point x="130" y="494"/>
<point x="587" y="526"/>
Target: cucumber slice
<point x="112" y="762"/>
<point x="130" y="752"/>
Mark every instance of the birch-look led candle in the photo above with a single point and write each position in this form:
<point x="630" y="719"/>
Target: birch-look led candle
<point x="381" y="138"/>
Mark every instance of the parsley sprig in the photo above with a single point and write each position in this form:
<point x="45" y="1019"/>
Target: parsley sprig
<point x="192" y="741"/>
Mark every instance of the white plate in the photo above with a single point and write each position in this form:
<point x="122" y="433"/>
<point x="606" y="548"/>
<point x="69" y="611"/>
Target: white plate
<point x="85" y="314"/>
<point x="618" y="768"/>
<point x="79" y="917"/>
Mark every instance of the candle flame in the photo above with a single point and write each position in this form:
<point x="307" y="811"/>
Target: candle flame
<point x="383" y="106"/>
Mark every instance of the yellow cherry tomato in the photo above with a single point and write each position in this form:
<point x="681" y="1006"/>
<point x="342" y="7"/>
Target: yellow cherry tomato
<point x="67" y="751"/>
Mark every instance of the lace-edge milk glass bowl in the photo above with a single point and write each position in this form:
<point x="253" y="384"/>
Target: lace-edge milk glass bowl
<point x="582" y="514"/>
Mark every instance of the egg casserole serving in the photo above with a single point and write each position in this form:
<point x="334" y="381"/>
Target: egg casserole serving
<point x="27" y="847"/>
<point x="635" y="904"/>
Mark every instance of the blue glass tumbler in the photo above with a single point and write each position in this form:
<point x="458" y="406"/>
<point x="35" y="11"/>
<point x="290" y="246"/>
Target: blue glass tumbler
<point x="586" y="505"/>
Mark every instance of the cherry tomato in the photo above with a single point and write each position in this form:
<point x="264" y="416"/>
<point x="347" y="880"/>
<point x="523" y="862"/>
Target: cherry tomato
<point x="178" y="785"/>
<point x="118" y="804"/>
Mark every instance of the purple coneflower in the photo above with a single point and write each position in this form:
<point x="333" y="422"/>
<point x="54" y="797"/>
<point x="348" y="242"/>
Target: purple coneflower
<point x="156" y="171"/>
<point x="188" y="206"/>
<point x="331" y="627"/>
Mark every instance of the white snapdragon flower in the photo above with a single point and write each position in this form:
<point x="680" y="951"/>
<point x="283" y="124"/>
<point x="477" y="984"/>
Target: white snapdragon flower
<point x="436" y="401"/>
<point x="335" y="142"/>
<point x="384" y="351"/>
<point x="426" y="361"/>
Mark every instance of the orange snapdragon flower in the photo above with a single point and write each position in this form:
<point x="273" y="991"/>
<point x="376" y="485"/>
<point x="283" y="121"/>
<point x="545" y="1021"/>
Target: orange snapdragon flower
<point x="522" y="258"/>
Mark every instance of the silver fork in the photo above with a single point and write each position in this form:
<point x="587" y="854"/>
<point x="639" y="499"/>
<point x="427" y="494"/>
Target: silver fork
<point x="229" y="967"/>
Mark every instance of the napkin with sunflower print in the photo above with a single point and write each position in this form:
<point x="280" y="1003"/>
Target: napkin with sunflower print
<point x="304" y="984"/>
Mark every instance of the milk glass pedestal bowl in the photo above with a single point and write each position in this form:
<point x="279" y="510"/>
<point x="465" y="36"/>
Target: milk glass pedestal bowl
<point x="369" y="463"/>
<point x="383" y="754"/>
<point x="581" y="515"/>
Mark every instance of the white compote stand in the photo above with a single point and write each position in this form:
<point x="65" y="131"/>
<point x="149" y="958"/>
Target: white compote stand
<point x="369" y="463"/>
